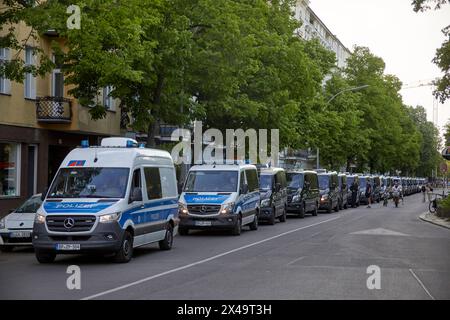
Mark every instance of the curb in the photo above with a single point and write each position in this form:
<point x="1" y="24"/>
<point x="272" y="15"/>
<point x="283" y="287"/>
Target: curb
<point x="424" y="217"/>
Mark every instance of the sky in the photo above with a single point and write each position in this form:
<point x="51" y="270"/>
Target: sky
<point x="407" y="41"/>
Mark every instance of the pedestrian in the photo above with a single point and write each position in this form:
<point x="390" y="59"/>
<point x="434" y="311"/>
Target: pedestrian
<point x="424" y="192"/>
<point x="429" y="191"/>
<point x="354" y="189"/>
<point x="369" y="194"/>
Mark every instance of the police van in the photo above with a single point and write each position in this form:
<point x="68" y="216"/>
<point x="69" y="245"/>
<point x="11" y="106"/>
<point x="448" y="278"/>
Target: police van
<point x="220" y="197"/>
<point x="109" y="200"/>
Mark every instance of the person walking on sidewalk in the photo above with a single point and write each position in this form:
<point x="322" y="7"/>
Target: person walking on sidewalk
<point x="369" y="194"/>
<point x="424" y="193"/>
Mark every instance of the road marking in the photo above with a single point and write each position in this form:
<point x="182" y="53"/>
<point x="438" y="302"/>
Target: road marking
<point x="204" y="260"/>
<point x="296" y="260"/>
<point x="421" y="284"/>
<point x="381" y="232"/>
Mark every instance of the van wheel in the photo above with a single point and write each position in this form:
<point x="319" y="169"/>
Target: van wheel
<point x="271" y="220"/>
<point x="341" y="205"/>
<point x="346" y="205"/>
<point x="166" y="243"/>
<point x="126" y="249"/>
<point x="236" y="231"/>
<point x="254" y="225"/>
<point x="316" y="210"/>
<point x="183" y="231"/>
<point x="6" y="248"/>
<point x="337" y="207"/>
<point x="302" y="211"/>
<point x="45" y="257"/>
<point x="330" y="207"/>
<point x="283" y="216"/>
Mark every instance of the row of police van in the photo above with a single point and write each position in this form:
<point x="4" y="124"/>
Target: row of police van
<point x="112" y="198"/>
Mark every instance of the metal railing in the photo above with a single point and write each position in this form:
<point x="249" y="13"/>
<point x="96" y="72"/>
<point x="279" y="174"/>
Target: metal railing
<point x="53" y="110"/>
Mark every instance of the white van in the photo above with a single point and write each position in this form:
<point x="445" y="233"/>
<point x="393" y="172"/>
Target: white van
<point x="220" y="197"/>
<point x="108" y="199"/>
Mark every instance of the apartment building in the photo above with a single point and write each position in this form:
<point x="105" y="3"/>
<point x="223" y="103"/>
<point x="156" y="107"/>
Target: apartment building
<point x="313" y="27"/>
<point x="40" y="123"/>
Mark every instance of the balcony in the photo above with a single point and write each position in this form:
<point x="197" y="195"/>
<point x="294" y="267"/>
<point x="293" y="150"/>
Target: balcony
<point x="53" y="110"/>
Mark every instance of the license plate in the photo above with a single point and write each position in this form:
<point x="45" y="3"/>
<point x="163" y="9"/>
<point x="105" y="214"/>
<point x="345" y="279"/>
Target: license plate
<point x="203" y="223"/>
<point x="20" y="234"/>
<point x="67" y="247"/>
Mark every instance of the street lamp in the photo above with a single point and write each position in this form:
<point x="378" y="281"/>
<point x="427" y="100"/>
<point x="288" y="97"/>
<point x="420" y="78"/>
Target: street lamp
<point x="346" y="90"/>
<point x="331" y="99"/>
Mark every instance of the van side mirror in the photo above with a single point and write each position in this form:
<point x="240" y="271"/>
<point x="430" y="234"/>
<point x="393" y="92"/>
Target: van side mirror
<point x="244" y="189"/>
<point x="44" y="194"/>
<point x="136" y="195"/>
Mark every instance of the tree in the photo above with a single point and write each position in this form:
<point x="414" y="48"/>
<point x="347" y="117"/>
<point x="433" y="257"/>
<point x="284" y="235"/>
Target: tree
<point x="442" y="58"/>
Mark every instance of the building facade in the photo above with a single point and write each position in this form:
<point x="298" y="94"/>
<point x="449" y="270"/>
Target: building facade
<point x="40" y="123"/>
<point x="313" y="27"/>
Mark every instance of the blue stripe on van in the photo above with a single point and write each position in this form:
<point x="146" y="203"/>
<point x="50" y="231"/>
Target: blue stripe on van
<point x="152" y="214"/>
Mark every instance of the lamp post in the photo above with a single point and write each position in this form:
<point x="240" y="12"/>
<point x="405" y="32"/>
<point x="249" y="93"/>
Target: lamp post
<point x="331" y="99"/>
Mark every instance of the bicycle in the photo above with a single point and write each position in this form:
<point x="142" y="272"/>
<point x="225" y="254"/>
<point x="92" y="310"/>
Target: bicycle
<point x="432" y="207"/>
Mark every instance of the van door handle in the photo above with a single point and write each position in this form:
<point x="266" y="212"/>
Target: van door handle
<point x="142" y="206"/>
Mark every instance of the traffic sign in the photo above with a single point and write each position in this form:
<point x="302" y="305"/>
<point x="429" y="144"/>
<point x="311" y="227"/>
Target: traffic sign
<point x="446" y="153"/>
<point x="444" y="167"/>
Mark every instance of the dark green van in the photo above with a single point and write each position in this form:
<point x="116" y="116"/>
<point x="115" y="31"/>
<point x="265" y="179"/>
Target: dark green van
<point x="329" y="191"/>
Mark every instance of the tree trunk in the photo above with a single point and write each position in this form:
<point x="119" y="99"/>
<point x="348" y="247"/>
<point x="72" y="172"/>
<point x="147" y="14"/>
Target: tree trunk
<point x="153" y="127"/>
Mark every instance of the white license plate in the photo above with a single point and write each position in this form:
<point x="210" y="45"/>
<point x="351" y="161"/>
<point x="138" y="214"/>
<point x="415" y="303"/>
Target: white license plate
<point x="68" y="247"/>
<point x="203" y="223"/>
<point x="20" y="234"/>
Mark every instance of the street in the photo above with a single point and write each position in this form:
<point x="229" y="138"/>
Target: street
<point x="324" y="257"/>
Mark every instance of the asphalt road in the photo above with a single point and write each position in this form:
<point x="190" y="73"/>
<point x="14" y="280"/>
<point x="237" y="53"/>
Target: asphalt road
<point x="324" y="257"/>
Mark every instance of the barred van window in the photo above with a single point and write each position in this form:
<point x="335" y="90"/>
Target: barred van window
<point x="168" y="182"/>
<point x="153" y="183"/>
<point x="252" y="180"/>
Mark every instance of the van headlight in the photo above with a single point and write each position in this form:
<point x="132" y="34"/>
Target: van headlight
<point x="2" y="223"/>
<point x="182" y="209"/>
<point x="226" y="209"/>
<point x="106" y="218"/>
<point x="265" y="203"/>
<point x="296" y="198"/>
<point x="40" y="218"/>
<point x="324" y="197"/>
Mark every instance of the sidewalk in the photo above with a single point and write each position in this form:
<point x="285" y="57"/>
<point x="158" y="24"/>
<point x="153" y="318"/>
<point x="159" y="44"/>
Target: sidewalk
<point x="432" y="218"/>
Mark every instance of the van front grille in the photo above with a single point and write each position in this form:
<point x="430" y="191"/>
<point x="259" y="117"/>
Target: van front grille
<point x="203" y="210"/>
<point x="70" y="223"/>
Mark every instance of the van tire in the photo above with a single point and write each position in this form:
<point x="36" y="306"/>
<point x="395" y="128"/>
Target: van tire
<point x="283" y="216"/>
<point x="45" y="257"/>
<point x="271" y="220"/>
<point x="336" y="209"/>
<point x="236" y="231"/>
<point x="316" y="210"/>
<point x="302" y="211"/>
<point x="125" y="253"/>
<point x="254" y="225"/>
<point x="183" y="231"/>
<point x="6" y="248"/>
<point x="330" y="207"/>
<point x="167" y="242"/>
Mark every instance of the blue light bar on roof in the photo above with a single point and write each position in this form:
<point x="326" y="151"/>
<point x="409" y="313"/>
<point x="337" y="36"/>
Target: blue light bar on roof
<point x="85" y="143"/>
<point x="131" y="144"/>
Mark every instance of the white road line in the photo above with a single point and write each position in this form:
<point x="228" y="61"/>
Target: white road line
<point x="296" y="260"/>
<point x="203" y="261"/>
<point x="421" y="284"/>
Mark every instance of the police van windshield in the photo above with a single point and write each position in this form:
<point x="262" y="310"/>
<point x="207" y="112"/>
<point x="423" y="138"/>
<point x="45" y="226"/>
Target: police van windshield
<point x="266" y="182"/>
<point x="362" y="182"/>
<point x="324" y="182"/>
<point x="212" y="181"/>
<point x="294" y="180"/>
<point x="90" y="183"/>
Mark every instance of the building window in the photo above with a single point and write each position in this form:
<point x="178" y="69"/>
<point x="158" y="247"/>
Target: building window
<point x="30" y="80"/>
<point x="108" y="101"/>
<point x="57" y="78"/>
<point x="5" y="84"/>
<point x="9" y="169"/>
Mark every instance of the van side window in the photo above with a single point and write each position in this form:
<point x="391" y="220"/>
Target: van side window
<point x="153" y="182"/>
<point x="136" y="182"/>
<point x="314" y="181"/>
<point x="252" y="180"/>
<point x="242" y="182"/>
<point x="168" y="182"/>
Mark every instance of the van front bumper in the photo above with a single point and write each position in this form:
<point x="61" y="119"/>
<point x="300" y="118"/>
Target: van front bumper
<point x="202" y="223"/>
<point x="294" y="207"/>
<point x="106" y="238"/>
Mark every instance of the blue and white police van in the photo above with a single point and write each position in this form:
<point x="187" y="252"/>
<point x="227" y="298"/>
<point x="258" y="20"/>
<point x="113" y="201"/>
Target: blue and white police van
<point x="108" y="200"/>
<point x="220" y="197"/>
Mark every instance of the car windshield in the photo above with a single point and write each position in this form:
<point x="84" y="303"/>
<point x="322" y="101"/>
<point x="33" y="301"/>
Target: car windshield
<point x="30" y="206"/>
<point x="90" y="183"/>
<point x="266" y="182"/>
<point x="324" y="182"/>
<point x="350" y="181"/>
<point x="212" y="181"/>
<point x="294" y="180"/>
<point x="362" y="182"/>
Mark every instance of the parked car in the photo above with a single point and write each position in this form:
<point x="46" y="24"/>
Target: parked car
<point x="16" y="228"/>
<point x="303" y="192"/>
<point x="220" y="197"/>
<point x="344" y="192"/>
<point x="363" y="180"/>
<point x="273" y="191"/>
<point x="329" y="191"/>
